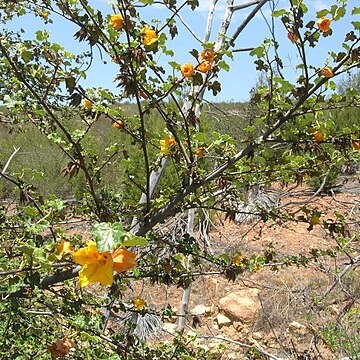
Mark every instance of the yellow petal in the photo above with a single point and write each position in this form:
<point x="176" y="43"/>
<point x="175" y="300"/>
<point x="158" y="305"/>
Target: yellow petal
<point x="99" y="271"/>
<point x="87" y="255"/>
<point x="63" y="249"/>
<point x="123" y="259"/>
<point x="139" y="303"/>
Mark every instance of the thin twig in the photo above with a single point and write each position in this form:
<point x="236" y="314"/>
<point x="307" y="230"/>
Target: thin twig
<point x="238" y="343"/>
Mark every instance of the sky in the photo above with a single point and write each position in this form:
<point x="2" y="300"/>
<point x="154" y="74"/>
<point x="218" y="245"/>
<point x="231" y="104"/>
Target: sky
<point x="237" y="83"/>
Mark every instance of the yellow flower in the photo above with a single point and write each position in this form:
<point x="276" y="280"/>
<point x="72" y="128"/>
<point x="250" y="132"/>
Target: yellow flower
<point x="87" y="104"/>
<point x="149" y="35"/>
<point x="117" y="21"/>
<point x="123" y="259"/>
<point x="96" y="266"/>
<point x="187" y="70"/>
<point x="324" y="24"/>
<point x="238" y="261"/>
<point x="207" y="55"/>
<point x="166" y="145"/>
<point x="63" y="249"/>
<point x="327" y="72"/>
<point x="204" y="67"/>
<point x="139" y="303"/>
<point x="45" y="14"/>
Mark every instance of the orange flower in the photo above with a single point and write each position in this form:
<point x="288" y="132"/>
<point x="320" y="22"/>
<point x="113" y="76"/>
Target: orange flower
<point x="87" y="104"/>
<point x="207" y="55"/>
<point x="356" y="144"/>
<point x="187" y="70"/>
<point x="149" y="36"/>
<point x="327" y="72"/>
<point x="318" y="136"/>
<point x="139" y="303"/>
<point x="123" y="259"/>
<point x="117" y="21"/>
<point x="166" y="145"/>
<point x="60" y="348"/>
<point x="292" y="37"/>
<point x="96" y="266"/>
<point x="324" y="24"/>
<point x="200" y="151"/>
<point x="204" y="67"/>
<point x="118" y="124"/>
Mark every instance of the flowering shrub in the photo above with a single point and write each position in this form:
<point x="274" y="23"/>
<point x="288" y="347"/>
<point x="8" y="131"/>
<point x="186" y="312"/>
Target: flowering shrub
<point x="131" y="186"/>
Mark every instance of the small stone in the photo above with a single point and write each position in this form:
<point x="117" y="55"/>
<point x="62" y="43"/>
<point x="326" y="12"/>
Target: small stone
<point x="170" y="328"/>
<point x="232" y="356"/>
<point x="257" y="335"/>
<point x="297" y="329"/>
<point x="223" y="320"/>
<point x="200" y="310"/>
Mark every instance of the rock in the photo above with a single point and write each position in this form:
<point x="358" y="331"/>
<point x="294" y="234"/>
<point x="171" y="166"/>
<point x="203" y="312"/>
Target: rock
<point x="170" y="328"/>
<point x="223" y="320"/>
<point x="257" y="335"/>
<point x="201" y="310"/>
<point x="297" y="329"/>
<point x="242" y="305"/>
<point x="233" y="356"/>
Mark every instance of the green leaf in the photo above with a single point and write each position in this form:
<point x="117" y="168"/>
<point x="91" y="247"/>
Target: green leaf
<point x="356" y="25"/>
<point x="339" y="13"/>
<point x="41" y="35"/>
<point x="223" y="65"/>
<point x="174" y="65"/>
<point x="355" y="10"/>
<point x="108" y="236"/>
<point x="258" y="52"/>
<point x="133" y="240"/>
<point x="322" y="13"/>
<point x="27" y="55"/>
<point x="280" y="12"/>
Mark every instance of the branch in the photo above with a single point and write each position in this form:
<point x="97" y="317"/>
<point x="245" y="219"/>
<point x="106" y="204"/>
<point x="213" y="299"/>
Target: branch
<point x="59" y="277"/>
<point x="209" y="20"/>
<point x="225" y="23"/>
<point x="244" y="6"/>
<point x="9" y="160"/>
<point x="347" y="268"/>
<point x="238" y="343"/>
<point x="239" y="30"/>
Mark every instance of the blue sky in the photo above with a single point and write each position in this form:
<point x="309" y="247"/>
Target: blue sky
<point x="237" y="83"/>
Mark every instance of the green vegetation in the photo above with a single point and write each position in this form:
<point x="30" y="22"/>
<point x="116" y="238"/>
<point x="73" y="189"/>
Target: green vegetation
<point x="105" y="194"/>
